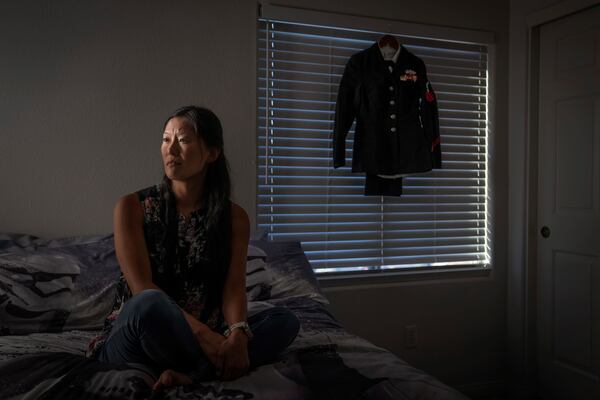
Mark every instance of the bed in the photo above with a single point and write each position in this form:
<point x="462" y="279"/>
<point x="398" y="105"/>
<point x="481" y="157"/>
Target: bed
<point x="54" y="295"/>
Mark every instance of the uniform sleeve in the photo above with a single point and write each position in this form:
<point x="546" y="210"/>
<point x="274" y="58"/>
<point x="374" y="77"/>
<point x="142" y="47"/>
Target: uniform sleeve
<point x="430" y="118"/>
<point x="345" y="112"/>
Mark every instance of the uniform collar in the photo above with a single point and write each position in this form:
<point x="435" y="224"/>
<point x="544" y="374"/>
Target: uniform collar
<point x="394" y="57"/>
<point x="400" y="55"/>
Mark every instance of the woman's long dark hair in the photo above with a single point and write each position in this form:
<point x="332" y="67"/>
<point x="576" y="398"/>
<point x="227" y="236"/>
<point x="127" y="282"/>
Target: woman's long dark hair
<point x="215" y="201"/>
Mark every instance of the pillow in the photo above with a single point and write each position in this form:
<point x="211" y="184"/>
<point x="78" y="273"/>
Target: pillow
<point x="255" y="252"/>
<point x="283" y="271"/>
<point x="55" y="285"/>
<point x="70" y="283"/>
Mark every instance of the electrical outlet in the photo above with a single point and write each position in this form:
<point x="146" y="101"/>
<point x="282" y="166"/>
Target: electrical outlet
<point x="410" y="336"/>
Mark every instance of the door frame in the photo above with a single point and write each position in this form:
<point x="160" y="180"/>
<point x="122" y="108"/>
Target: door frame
<point x="522" y="285"/>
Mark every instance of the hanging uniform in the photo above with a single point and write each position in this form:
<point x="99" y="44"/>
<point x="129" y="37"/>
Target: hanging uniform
<point x="397" y="127"/>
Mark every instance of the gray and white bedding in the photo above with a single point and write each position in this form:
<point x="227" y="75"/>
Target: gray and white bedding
<point x="54" y="295"/>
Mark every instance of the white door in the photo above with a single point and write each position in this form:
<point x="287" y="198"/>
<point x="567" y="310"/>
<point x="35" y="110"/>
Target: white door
<point x="569" y="206"/>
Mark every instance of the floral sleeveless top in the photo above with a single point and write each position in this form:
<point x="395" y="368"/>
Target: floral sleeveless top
<point x="185" y="280"/>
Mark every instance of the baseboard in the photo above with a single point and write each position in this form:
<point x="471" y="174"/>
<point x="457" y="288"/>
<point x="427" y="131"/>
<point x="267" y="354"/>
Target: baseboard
<point x="522" y="391"/>
<point x="499" y="390"/>
<point x="484" y="390"/>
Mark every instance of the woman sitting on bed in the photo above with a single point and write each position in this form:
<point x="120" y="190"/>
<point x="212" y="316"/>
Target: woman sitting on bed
<point x="181" y="245"/>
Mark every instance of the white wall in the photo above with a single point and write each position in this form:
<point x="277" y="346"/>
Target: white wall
<point x="85" y="87"/>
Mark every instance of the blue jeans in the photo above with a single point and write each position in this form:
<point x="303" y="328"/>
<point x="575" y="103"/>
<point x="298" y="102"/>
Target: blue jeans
<point x="151" y="330"/>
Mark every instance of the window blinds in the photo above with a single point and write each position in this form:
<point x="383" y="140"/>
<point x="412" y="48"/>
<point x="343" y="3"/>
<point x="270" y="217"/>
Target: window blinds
<point x="440" y="221"/>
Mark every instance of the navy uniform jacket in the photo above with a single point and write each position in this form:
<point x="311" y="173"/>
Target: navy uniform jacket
<point x="397" y="127"/>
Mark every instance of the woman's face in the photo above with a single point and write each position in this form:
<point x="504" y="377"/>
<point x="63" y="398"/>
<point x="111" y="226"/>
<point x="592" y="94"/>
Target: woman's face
<point x="185" y="156"/>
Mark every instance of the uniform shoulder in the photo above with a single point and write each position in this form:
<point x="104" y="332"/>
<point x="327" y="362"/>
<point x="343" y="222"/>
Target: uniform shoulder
<point x="414" y="59"/>
<point x="370" y="51"/>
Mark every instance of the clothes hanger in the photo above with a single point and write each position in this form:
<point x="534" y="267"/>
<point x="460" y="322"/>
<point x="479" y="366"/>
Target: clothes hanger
<point x="389" y="40"/>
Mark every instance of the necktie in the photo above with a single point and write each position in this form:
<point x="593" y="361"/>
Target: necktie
<point x="391" y="66"/>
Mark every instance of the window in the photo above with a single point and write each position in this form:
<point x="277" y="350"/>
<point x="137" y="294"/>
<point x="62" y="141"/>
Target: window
<point x="441" y="220"/>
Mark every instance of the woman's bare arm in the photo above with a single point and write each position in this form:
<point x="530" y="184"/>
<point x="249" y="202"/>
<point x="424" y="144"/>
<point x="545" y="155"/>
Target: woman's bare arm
<point x="234" y="293"/>
<point x="130" y="245"/>
<point x="233" y="359"/>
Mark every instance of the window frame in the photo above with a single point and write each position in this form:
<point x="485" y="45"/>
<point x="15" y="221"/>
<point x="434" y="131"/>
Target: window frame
<point x="316" y="18"/>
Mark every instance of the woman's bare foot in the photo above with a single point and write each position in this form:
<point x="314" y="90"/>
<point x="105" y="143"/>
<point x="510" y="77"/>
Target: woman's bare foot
<point x="171" y="378"/>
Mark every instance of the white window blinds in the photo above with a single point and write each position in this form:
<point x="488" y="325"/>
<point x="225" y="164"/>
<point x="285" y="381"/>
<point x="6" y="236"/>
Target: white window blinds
<point x="440" y="220"/>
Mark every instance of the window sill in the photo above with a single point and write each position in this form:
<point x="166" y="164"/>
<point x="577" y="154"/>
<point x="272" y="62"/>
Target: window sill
<point x="358" y="278"/>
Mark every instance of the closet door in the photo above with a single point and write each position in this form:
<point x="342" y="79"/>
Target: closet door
<point x="569" y="207"/>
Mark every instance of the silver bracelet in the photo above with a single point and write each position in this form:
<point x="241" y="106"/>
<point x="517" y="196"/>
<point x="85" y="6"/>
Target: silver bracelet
<point x="243" y="325"/>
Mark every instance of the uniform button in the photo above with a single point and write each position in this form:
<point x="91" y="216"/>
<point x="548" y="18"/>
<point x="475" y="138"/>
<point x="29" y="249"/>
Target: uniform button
<point x="393" y="116"/>
<point x="392" y="102"/>
<point x="393" y="129"/>
<point x="391" y="88"/>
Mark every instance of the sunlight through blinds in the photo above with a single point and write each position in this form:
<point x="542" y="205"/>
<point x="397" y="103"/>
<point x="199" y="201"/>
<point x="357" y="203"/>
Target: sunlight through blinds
<point x="440" y="221"/>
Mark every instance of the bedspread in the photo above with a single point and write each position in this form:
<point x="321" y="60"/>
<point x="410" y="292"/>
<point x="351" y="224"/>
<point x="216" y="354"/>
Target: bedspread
<point x="46" y="323"/>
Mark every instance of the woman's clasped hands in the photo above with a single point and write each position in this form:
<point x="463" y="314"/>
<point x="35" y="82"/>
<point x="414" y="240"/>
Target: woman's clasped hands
<point x="228" y="355"/>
